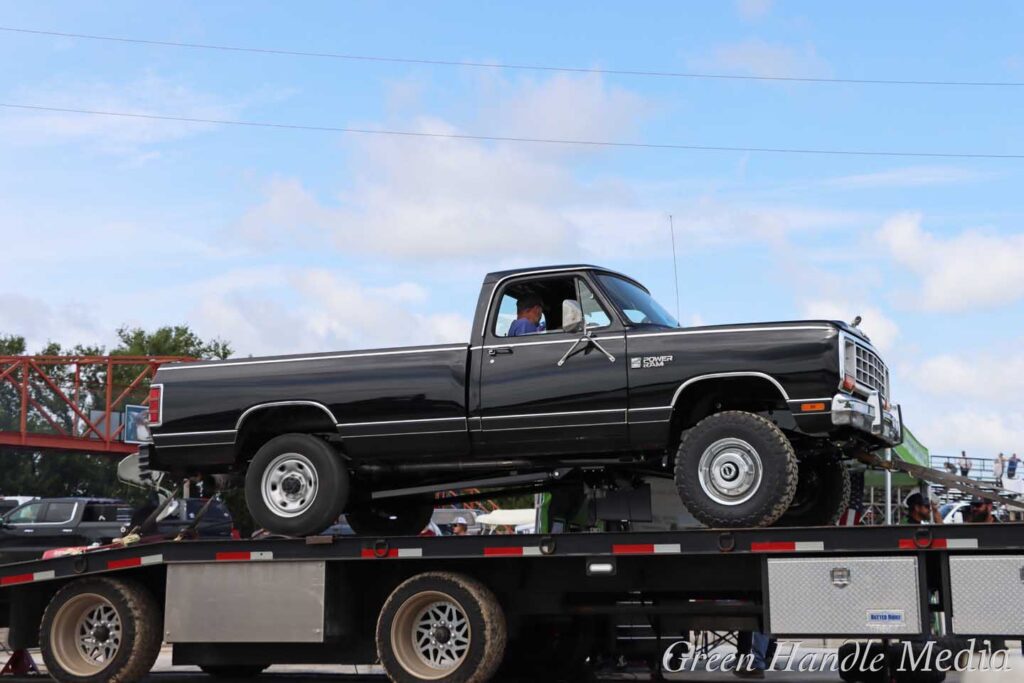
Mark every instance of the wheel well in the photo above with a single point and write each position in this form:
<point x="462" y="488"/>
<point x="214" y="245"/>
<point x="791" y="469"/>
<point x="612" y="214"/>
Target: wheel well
<point x="264" y="424"/>
<point x="709" y="396"/>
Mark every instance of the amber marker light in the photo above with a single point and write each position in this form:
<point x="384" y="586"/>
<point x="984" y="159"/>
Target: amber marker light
<point x="811" y="407"/>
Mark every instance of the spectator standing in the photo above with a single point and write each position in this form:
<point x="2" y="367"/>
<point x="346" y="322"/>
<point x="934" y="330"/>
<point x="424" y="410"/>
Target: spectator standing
<point x="965" y="465"/>
<point x="998" y="465"/>
<point x="1011" y="467"/>
<point x="981" y="512"/>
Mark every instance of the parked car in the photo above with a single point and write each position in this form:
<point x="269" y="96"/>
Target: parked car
<point x="753" y="421"/>
<point x="8" y="503"/>
<point x="43" y="524"/>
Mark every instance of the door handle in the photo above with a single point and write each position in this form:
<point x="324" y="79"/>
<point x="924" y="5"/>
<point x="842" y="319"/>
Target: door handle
<point x="500" y="349"/>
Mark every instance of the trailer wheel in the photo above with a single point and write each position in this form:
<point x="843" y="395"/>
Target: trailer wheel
<point x="736" y="469"/>
<point x="240" y="672"/>
<point x="822" y="493"/>
<point x="296" y="485"/>
<point x="101" y="630"/>
<point x="439" y="626"/>
<point x="406" y="519"/>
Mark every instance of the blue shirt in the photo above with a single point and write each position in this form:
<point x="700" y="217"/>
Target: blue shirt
<point x="523" y="326"/>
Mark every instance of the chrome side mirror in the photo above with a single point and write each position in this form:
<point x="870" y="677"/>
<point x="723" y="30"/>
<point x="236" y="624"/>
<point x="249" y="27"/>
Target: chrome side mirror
<point x="572" y="316"/>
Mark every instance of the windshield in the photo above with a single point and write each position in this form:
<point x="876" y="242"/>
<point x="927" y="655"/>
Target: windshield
<point x="637" y="305"/>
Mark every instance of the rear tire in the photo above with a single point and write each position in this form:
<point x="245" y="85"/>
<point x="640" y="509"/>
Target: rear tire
<point x="440" y="626"/>
<point x="296" y="485"/>
<point x="101" y="630"/>
<point x="822" y="493"/>
<point x="736" y="469"/>
<point x="406" y="519"/>
<point x="237" y="672"/>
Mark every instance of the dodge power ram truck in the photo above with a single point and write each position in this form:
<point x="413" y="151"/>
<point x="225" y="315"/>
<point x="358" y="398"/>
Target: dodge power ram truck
<point x="754" y="421"/>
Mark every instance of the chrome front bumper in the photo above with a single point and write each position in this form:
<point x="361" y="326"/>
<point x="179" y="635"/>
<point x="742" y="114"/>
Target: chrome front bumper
<point x="867" y="415"/>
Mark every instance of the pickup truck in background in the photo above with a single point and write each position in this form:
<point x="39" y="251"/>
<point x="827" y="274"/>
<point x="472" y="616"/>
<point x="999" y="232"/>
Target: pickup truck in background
<point x="753" y="421"/>
<point x="31" y="529"/>
<point x="47" y="523"/>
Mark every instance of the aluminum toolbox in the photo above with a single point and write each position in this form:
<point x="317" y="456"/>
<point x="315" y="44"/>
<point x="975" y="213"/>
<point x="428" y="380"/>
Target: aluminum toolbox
<point x="988" y="594"/>
<point x="245" y="602"/>
<point x="844" y="596"/>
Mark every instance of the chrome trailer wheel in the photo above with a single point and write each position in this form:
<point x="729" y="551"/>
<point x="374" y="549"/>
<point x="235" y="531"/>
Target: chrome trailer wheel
<point x="440" y="626"/>
<point x="101" y="630"/>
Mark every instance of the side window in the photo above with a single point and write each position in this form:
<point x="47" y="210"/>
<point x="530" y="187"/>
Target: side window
<point x="59" y="513"/>
<point x="27" y="514"/>
<point x="593" y="314"/>
<point x="532" y="306"/>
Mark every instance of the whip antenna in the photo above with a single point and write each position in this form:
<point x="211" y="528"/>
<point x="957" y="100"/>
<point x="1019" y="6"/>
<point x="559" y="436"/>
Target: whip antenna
<point x="675" y="267"/>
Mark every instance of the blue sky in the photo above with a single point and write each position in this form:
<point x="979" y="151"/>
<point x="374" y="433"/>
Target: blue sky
<point x="286" y="241"/>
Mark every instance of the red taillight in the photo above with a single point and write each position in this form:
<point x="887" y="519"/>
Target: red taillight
<point x="849" y="383"/>
<point x="156" y="404"/>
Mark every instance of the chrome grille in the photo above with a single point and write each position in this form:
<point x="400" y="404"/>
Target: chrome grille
<point x="870" y="371"/>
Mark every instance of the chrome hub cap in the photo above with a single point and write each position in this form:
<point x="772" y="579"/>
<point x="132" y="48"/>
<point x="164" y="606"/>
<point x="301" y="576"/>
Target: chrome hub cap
<point x="289" y="485"/>
<point x="730" y="471"/>
<point x="431" y="635"/>
<point x="442" y="635"/>
<point x="99" y="634"/>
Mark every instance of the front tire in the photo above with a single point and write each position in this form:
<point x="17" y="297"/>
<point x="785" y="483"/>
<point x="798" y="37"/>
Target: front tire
<point x="101" y="630"/>
<point x="822" y="493"/>
<point x="736" y="469"/>
<point x="440" y="626"/>
<point x="296" y="485"/>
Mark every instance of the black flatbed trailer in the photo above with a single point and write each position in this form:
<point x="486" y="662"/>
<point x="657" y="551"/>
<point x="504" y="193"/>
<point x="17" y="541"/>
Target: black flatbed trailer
<point x="458" y="608"/>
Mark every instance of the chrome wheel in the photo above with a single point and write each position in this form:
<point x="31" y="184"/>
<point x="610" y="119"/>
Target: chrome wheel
<point x="86" y="634"/>
<point x="430" y="635"/>
<point x="730" y="471"/>
<point x="289" y="485"/>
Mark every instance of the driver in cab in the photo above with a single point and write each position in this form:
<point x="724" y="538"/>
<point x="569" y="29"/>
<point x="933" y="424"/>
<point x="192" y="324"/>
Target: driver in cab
<point x="528" y="314"/>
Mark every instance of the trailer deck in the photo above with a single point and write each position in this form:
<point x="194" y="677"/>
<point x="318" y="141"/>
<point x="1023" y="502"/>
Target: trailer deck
<point x="556" y="599"/>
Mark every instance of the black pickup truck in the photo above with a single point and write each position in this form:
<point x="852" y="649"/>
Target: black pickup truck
<point x="754" y="421"/>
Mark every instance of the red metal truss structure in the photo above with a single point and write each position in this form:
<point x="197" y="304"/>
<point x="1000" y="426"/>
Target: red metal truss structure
<point x="68" y="403"/>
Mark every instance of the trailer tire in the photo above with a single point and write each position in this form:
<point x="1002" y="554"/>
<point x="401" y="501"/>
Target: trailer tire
<point x="897" y="658"/>
<point x="736" y="469"/>
<point x="465" y="642"/>
<point x="406" y="519"/>
<point x="238" y="672"/>
<point x="296" y="485"/>
<point x="126" y="631"/>
<point x="822" y="493"/>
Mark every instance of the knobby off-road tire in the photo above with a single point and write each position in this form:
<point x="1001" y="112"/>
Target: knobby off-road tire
<point x="233" y="672"/>
<point x="736" y="469"/>
<point x="101" y="631"/>
<point x="822" y="493"/>
<point x="441" y="626"/>
<point x="397" y="519"/>
<point x="296" y="485"/>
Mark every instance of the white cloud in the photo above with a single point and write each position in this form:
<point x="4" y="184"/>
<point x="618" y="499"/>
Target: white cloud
<point x="69" y="323"/>
<point x="910" y="176"/>
<point x="119" y="136"/>
<point x="757" y="57"/>
<point x="981" y="432"/>
<point x="753" y="9"/>
<point x="989" y="378"/>
<point x="291" y="310"/>
<point x="965" y="271"/>
<point x="883" y="331"/>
